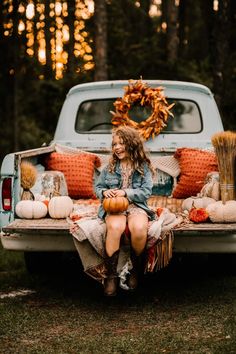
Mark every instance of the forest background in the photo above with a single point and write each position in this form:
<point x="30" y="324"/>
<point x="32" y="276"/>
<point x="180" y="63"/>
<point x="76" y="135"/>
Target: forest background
<point x="48" y="46"/>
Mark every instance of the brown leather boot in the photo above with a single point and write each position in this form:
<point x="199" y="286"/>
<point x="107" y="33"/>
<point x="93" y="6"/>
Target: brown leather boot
<point x="134" y="272"/>
<point x="110" y="283"/>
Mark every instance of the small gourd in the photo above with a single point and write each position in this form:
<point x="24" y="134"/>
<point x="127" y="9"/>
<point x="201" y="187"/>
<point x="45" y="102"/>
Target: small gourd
<point x="60" y="207"/>
<point x="197" y="202"/>
<point x="198" y="215"/>
<point x="31" y="209"/>
<point x="115" y="205"/>
<point x="159" y="210"/>
<point x="219" y="212"/>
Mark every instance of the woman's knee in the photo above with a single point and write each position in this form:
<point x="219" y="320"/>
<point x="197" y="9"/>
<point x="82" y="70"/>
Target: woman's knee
<point x="116" y="226"/>
<point x="138" y="226"/>
<point x="139" y="230"/>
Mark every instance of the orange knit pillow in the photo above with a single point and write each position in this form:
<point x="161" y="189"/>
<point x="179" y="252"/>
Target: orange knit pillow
<point x="195" y="164"/>
<point x="78" y="171"/>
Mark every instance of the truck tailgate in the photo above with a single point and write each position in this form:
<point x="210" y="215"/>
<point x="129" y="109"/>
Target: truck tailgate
<point x="38" y="235"/>
<point x="49" y="225"/>
<point x="53" y="235"/>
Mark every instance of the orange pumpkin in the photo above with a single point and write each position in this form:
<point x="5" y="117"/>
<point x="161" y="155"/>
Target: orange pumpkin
<point x="115" y="205"/>
<point x="198" y="214"/>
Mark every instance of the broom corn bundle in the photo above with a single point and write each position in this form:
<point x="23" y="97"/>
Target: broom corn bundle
<point x="28" y="179"/>
<point x="225" y="148"/>
<point x="28" y="175"/>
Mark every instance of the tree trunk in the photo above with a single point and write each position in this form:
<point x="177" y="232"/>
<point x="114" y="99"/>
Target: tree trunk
<point x="48" y="66"/>
<point x="145" y="5"/>
<point x="71" y="66"/>
<point x="4" y="85"/>
<point x="233" y="24"/>
<point x="145" y="20"/>
<point x="100" y="18"/>
<point x="207" y="24"/>
<point x="35" y="31"/>
<point x="16" y="72"/>
<point x="172" y="40"/>
<point x="221" y="40"/>
<point x="3" y="51"/>
<point x="183" y="28"/>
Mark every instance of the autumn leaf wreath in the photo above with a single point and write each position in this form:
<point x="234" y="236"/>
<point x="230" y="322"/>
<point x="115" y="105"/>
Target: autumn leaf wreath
<point x="138" y="92"/>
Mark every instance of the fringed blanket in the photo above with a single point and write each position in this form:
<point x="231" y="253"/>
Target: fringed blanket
<point x="89" y="238"/>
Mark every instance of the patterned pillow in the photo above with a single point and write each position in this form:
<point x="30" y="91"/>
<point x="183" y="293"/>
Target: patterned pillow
<point x="194" y="164"/>
<point x="63" y="149"/>
<point x="78" y="171"/>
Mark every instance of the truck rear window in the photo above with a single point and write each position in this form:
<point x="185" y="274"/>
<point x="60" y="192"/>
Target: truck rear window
<point x="94" y="116"/>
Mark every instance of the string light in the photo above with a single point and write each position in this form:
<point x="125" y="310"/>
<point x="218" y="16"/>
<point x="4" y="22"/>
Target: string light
<point x="59" y="31"/>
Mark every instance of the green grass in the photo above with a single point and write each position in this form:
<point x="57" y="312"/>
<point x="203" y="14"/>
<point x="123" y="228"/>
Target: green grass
<point x="10" y="260"/>
<point x="183" y="309"/>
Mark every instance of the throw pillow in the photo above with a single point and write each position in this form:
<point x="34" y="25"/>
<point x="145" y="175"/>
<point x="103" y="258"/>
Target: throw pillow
<point x="78" y="171"/>
<point x="168" y="164"/>
<point x="63" y="149"/>
<point x="194" y="164"/>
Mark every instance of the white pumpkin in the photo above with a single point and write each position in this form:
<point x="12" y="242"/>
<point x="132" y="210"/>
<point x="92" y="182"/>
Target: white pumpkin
<point x="219" y="212"/>
<point x="60" y="207"/>
<point x="197" y="202"/>
<point x="31" y="209"/>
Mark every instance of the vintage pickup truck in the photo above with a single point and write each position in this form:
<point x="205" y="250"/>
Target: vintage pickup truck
<point x="85" y="123"/>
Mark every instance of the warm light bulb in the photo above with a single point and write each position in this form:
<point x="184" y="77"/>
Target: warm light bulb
<point x="21" y="26"/>
<point x="30" y="11"/>
<point x="42" y="56"/>
<point x="59" y="48"/>
<point x="58" y="8"/>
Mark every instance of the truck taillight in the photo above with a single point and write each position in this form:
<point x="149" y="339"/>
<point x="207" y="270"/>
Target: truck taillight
<point x="6" y="194"/>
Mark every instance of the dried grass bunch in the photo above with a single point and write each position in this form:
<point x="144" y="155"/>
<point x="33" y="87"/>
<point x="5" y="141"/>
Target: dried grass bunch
<point x="225" y="148"/>
<point x="138" y="92"/>
<point x="28" y="179"/>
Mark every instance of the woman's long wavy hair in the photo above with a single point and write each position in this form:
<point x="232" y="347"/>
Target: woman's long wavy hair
<point x="134" y="147"/>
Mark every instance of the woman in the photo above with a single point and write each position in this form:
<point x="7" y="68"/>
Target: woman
<point x="129" y="174"/>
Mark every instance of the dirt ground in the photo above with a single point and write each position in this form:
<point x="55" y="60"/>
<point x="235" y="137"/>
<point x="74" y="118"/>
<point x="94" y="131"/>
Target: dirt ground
<point x="190" y="307"/>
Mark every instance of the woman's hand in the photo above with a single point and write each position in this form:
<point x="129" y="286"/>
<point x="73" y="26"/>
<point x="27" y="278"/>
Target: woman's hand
<point x="111" y="193"/>
<point x="120" y="193"/>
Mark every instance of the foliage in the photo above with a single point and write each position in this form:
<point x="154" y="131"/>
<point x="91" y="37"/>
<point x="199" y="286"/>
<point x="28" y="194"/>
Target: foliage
<point x="201" y="38"/>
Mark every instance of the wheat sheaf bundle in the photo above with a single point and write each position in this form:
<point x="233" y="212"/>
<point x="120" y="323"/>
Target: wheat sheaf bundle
<point x="138" y="92"/>
<point x="225" y="148"/>
<point x="28" y="179"/>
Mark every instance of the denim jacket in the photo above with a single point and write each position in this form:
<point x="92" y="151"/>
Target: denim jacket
<point x="138" y="194"/>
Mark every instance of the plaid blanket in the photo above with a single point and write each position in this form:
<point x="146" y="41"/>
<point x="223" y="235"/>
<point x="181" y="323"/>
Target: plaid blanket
<point x="89" y="238"/>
